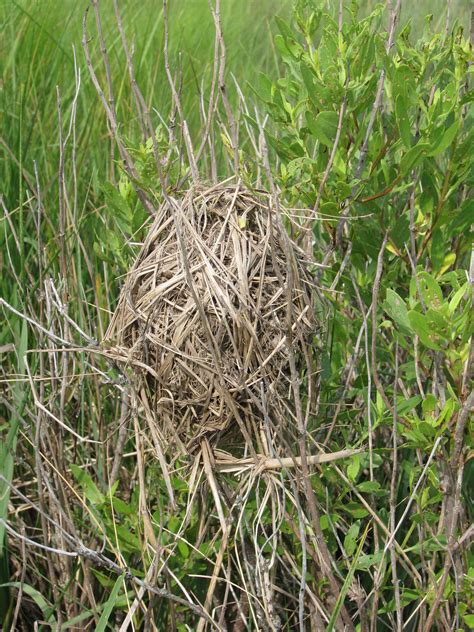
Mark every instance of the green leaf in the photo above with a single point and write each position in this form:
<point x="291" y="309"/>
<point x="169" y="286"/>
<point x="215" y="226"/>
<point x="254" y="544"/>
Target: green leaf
<point x="350" y="541"/>
<point x="289" y="49"/>
<point x="458" y="296"/>
<point x="367" y="561"/>
<point x="369" y="486"/>
<point x="265" y="86"/>
<point x="430" y="290"/>
<point x="406" y="405"/>
<point x="356" y="510"/>
<point x="308" y="79"/>
<point x="121" y="506"/>
<point x="284" y="29"/>
<point x="127" y="538"/>
<point x="353" y="467"/>
<point x="330" y="209"/>
<point x="117" y="207"/>
<point x="396" y="308"/>
<point x="323" y="127"/>
<point x="429" y="545"/>
<point x="73" y="623"/>
<point x="445" y="140"/>
<point x="183" y="549"/>
<point x="413" y="157"/>
<point x="90" y="489"/>
<point x="416" y="438"/>
<point x="404" y="84"/>
<point x="429" y="404"/>
<point x="421" y="327"/>
<point x="403" y="121"/>
<point x="463" y="217"/>
<point x="109" y="605"/>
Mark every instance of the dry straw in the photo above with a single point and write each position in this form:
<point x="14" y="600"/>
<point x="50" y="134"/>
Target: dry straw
<point x="205" y="322"/>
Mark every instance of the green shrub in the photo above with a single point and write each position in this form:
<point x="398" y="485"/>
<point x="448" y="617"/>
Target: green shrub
<point x="376" y="138"/>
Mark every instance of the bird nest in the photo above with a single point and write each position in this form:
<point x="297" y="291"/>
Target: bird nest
<point x="214" y="317"/>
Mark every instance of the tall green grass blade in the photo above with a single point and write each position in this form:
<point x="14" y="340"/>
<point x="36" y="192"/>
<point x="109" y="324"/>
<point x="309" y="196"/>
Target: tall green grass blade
<point x="109" y="605"/>
<point x="45" y="607"/>
<point x="7" y="460"/>
<point x="347" y="582"/>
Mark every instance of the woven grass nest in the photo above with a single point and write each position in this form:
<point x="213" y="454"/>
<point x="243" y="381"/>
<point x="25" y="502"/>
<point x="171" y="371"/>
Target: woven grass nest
<point x="203" y="317"/>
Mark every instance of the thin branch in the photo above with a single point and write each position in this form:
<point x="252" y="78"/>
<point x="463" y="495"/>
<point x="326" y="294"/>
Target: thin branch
<point x="177" y="100"/>
<point x="266" y="463"/>
<point x="101" y="561"/>
<point x="375" y="296"/>
<point x="109" y="108"/>
<point x="393" y="498"/>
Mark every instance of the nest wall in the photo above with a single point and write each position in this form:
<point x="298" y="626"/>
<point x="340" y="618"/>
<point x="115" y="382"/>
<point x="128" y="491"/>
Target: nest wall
<point x="217" y="301"/>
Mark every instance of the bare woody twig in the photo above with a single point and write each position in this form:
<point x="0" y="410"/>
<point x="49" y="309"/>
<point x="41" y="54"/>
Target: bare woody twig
<point x="266" y="463"/>
<point x="177" y="100"/>
<point x="101" y="561"/>
<point x="393" y="500"/>
<point x="109" y="107"/>
<point x="375" y="296"/>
